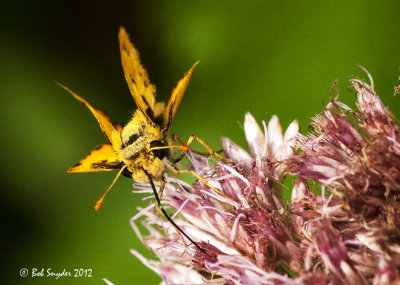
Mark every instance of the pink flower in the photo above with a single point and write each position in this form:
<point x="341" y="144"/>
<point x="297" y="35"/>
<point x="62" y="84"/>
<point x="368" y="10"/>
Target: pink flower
<point x="355" y="156"/>
<point x="347" y="234"/>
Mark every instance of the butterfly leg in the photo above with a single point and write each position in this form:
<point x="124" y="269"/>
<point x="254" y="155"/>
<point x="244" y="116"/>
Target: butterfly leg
<point x="211" y="151"/>
<point x="176" y="137"/>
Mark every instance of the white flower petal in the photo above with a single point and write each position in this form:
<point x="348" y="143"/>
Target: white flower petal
<point x="300" y="190"/>
<point x="287" y="147"/>
<point x="292" y="131"/>
<point x="174" y="273"/>
<point x="236" y="154"/>
<point x="275" y="136"/>
<point x="255" y="137"/>
<point x="107" y="281"/>
<point x="266" y="138"/>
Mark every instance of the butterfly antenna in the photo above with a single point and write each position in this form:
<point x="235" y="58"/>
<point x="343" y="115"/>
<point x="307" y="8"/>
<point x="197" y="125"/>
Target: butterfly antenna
<point x="100" y="201"/>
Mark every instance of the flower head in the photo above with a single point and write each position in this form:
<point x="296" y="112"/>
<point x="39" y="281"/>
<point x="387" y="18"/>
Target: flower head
<point x="355" y="156"/>
<point x="348" y="234"/>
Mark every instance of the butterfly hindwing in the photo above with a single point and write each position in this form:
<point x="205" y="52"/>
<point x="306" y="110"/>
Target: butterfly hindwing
<point x="102" y="158"/>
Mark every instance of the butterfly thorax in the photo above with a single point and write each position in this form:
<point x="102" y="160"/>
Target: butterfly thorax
<point x="138" y="137"/>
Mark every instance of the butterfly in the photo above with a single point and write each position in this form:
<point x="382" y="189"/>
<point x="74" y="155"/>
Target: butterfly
<point x="141" y="149"/>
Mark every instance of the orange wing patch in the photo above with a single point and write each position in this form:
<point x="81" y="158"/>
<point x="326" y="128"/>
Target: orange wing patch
<point x="102" y="158"/>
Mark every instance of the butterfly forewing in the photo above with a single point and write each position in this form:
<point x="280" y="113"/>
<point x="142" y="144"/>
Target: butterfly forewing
<point x="111" y="132"/>
<point x="176" y="97"/>
<point x="143" y="92"/>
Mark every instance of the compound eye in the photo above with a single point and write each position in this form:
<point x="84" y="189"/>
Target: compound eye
<point x="160" y="153"/>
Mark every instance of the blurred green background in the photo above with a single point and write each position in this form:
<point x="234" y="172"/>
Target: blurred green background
<point x="266" y="57"/>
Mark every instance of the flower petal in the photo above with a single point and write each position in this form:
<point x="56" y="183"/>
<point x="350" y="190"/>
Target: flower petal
<point x="236" y="154"/>
<point x="275" y="136"/>
<point x="255" y="137"/>
<point x="288" y="146"/>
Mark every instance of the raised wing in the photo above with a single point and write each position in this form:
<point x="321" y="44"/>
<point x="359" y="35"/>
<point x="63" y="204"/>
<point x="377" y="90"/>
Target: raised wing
<point x="143" y="92"/>
<point x="112" y="132"/>
<point x="102" y="158"/>
<point x="176" y="98"/>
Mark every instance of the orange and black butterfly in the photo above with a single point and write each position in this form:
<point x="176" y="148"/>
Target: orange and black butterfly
<point x="140" y="149"/>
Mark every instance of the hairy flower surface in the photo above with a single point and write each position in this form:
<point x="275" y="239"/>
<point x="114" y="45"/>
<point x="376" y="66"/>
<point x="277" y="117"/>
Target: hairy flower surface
<point x="355" y="156"/>
<point x="348" y="234"/>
